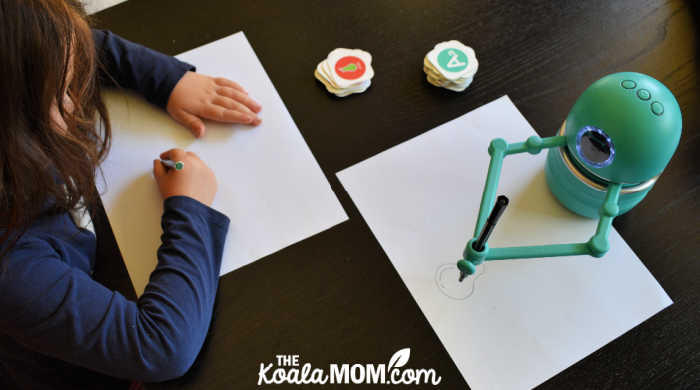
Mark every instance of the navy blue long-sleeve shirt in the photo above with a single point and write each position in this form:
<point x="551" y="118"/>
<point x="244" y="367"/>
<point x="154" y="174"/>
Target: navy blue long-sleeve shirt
<point x="129" y="65"/>
<point x="54" y="318"/>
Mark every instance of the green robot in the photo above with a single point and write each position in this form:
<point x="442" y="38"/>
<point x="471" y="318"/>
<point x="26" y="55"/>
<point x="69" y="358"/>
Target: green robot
<point x="617" y="139"/>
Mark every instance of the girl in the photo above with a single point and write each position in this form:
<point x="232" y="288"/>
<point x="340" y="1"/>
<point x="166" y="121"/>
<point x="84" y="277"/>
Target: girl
<point x="55" y="320"/>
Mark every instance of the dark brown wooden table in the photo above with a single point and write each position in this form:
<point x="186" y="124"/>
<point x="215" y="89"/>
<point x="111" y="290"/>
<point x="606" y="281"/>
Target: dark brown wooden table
<point x="336" y="297"/>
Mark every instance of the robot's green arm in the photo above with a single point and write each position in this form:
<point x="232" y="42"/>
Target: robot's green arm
<point x="535" y="144"/>
<point x="499" y="149"/>
<point x="597" y="246"/>
<point x="528" y="252"/>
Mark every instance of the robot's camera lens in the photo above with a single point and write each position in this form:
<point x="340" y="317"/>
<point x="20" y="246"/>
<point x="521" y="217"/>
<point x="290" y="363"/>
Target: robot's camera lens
<point x="595" y="147"/>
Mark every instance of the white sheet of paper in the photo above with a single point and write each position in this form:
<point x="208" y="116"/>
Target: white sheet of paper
<point x="270" y="185"/>
<point x="93" y="6"/>
<point x="526" y="319"/>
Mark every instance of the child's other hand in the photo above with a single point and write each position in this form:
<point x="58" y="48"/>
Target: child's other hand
<point x="196" y="97"/>
<point x="195" y="179"/>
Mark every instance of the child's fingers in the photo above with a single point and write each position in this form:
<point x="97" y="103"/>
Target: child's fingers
<point x="222" y="114"/>
<point x="158" y="170"/>
<point x="190" y="121"/>
<point x="234" y="116"/>
<point x="240" y="97"/>
<point x="228" y="83"/>
<point x="175" y="154"/>
<point x="233" y="105"/>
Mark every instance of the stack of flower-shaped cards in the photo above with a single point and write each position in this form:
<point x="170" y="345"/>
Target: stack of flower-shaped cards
<point x="346" y="71"/>
<point x="450" y="65"/>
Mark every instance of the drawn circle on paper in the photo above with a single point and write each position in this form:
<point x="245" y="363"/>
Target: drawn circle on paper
<point x="350" y="67"/>
<point x="447" y="280"/>
<point x="452" y="60"/>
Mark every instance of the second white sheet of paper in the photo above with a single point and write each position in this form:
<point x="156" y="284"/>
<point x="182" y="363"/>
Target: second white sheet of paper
<point x="270" y="185"/>
<point x="527" y="319"/>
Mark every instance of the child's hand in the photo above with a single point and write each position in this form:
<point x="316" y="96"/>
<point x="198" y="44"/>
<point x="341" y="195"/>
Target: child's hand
<point x="196" y="97"/>
<point x="195" y="179"/>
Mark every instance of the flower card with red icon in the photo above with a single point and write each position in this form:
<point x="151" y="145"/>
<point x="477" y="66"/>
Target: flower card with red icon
<point x="349" y="67"/>
<point x="323" y="72"/>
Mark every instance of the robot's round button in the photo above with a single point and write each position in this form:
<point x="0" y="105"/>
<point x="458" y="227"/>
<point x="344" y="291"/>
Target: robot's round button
<point x="643" y="94"/>
<point x="629" y="84"/>
<point x="657" y="108"/>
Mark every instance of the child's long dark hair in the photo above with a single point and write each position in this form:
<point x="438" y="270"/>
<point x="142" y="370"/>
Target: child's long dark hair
<point x="42" y="169"/>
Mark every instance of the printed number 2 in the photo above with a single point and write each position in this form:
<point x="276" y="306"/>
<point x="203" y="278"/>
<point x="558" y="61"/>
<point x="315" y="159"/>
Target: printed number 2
<point x="454" y="60"/>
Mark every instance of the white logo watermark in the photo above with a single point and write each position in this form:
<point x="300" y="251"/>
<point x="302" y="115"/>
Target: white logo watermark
<point x="289" y="370"/>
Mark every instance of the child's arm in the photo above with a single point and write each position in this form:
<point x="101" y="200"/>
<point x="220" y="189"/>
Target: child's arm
<point x="132" y="66"/>
<point x="62" y="312"/>
<point x="172" y="84"/>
